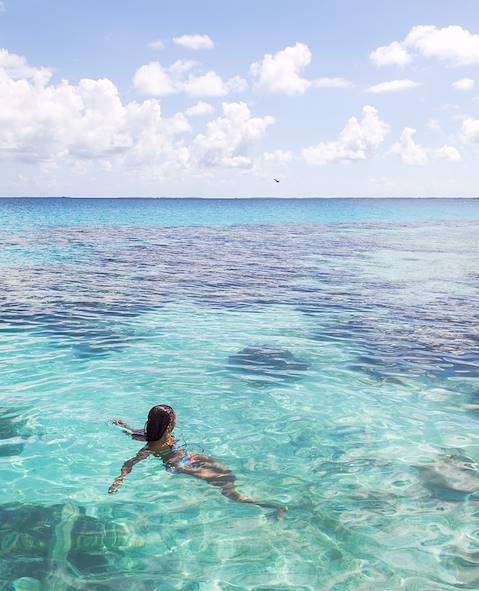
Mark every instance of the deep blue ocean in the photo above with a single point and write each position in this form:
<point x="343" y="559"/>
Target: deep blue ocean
<point x="326" y="351"/>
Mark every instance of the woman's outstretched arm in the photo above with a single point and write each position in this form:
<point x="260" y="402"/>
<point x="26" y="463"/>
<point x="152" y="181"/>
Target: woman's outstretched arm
<point x="123" y="424"/>
<point x="127" y="468"/>
<point x="135" y="433"/>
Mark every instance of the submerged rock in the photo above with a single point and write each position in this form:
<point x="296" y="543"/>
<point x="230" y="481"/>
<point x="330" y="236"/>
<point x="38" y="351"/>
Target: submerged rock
<point x="87" y="338"/>
<point x="9" y="430"/>
<point x="268" y="363"/>
<point x="42" y="543"/>
<point x="452" y="478"/>
<point x="90" y="331"/>
<point x="26" y="584"/>
<point x="376" y="371"/>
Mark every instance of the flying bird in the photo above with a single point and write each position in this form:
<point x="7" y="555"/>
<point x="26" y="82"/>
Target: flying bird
<point x="276" y="180"/>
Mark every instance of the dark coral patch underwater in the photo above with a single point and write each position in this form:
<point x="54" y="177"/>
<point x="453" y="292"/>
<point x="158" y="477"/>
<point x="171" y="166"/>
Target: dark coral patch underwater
<point x="44" y="546"/>
<point x="10" y="433"/>
<point x="265" y="365"/>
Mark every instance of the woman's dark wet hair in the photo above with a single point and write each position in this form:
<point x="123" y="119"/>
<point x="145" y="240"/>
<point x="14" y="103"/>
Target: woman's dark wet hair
<point x="159" y="419"/>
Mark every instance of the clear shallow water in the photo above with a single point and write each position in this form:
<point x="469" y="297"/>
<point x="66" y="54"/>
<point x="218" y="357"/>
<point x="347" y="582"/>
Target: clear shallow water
<point x="368" y="431"/>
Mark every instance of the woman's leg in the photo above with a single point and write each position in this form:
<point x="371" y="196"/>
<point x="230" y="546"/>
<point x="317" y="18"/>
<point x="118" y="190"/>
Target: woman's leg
<point x="225" y="480"/>
<point x="228" y="489"/>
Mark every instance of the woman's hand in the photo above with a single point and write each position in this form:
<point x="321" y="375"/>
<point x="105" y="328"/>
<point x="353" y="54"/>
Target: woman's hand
<point x="119" y="422"/>
<point x="115" y="486"/>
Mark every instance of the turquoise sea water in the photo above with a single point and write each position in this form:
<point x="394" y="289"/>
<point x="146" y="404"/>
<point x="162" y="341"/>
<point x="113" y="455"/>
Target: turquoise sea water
<point x="327" y="351"/>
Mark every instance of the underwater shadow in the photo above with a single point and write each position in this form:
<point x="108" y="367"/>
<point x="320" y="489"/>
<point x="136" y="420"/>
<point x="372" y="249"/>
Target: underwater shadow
<point x="263" y="366"/>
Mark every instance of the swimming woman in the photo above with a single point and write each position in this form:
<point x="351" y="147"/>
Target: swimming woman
<point x="161" y="442"/>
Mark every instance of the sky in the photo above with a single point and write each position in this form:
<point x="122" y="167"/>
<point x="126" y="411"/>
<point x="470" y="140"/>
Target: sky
<point x="334" y="98"/>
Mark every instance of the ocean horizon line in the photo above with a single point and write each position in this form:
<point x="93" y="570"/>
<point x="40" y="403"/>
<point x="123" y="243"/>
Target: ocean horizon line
<point x="245" y="198"/>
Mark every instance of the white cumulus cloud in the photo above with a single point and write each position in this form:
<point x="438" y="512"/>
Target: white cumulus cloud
<point x="448" y="153"/>
<point x="392" y="86"/>
<point x="210" y="84"/>
<point x="45" y="122"/>
<point x="391" y="55"/>
<point x="453" y="44"/>
<point x="464" y="84"/>
<point x="413" y="154"/>
<point x="154" y="79"/>
<point x="470" y="130"/>
<point x="228" y="140"/>
<point x="281" y="72"/>
<point x="16" y="67"/>
<point x="200" y="109"/>
<point x="357" y="141"/>
<point x="408" y="150"/>
<point x="194" y="42"/>
<point x="83" y="125"/>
